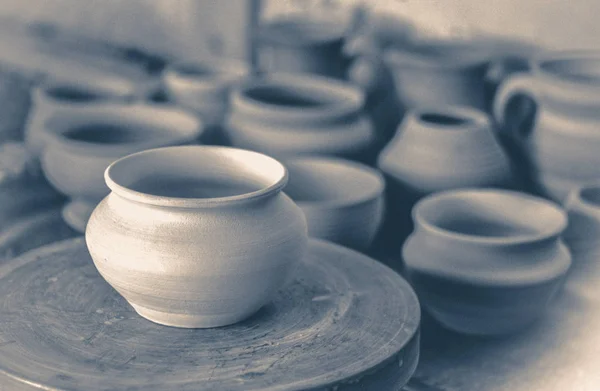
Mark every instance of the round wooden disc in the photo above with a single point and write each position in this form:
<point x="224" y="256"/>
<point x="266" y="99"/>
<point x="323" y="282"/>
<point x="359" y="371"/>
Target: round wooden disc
<point x="344" y="322"/>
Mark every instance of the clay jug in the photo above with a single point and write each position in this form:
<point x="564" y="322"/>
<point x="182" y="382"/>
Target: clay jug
<point x="559" y="137"/>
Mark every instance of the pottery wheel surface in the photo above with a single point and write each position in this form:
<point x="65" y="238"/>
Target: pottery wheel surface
<point x="344" y="322"/>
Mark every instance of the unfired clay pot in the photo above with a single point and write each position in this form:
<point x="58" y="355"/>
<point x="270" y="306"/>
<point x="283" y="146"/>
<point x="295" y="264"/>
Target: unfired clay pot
<point x="55" y="98"/>
<point x="298" y="44"/>
<point x="196" y="236"/>
<point x="486" y="261"/>
<point x="583" y="237"/>
<point x="560" y="136"/>
<point x="343" y="201"/>
<point x="284" y="114"/>
<point x="203" y="88"/>
<point x="83" y="144"/>
<point x="436" y="149"/>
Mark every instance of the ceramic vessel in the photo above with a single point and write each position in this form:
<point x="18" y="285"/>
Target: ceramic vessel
<point x="343" y="201"/>
<point x="82" y="145"/>
<point x="60" y="98"/>
<point x="462" y="71"/>
<point x="583" y="236"/>
<point x="196" y="236"/>
<point x="203" y="87"/>
<point x="298" y="44"/>
<point x="560" y="136"/>
<point x="486" y="261"/>
<point x="15" y="87"/>
<point x="284" y="114"/>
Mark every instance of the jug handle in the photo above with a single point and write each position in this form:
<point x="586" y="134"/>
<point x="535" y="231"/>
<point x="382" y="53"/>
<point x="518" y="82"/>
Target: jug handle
<point x="520" y="83"/>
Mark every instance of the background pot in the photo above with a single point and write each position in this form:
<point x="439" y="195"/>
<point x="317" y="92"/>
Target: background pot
<point x="486" y="261"/>
<point x="233" y="237"/>
<point x="82" y="145"/>
<point x="284" y="114"/>
<point x="343" y="201"/>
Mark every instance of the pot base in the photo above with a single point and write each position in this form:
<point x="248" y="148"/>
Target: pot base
<point x="76" y="214"/>
<point x="188" y="320"/>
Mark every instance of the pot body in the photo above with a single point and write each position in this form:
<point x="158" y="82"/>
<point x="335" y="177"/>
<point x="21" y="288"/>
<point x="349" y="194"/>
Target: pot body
<point x="558" y="136"/>
<point x="332" y="123"/>
<point x="479" y="286"/>
<point x="197" y="267"/>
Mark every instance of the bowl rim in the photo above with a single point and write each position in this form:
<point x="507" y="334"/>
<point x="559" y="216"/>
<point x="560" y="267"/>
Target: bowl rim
<point x="180" y="202"/>
<point x="560" y="219"/>
<point x="369" y="195"/>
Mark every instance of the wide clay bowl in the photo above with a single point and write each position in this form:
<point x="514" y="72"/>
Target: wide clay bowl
<point x="486" y="261"/>
<point x="342" y="200"/>
<point x="54" y="97"/>
<point x="196" y="236"/>
<point x="83" y="145"/>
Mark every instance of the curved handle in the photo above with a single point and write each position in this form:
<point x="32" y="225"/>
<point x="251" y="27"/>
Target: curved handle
<point x="520" y="83"/>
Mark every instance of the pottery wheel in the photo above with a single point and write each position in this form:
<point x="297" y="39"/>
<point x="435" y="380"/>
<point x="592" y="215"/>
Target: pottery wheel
<point x="344" y="322"/>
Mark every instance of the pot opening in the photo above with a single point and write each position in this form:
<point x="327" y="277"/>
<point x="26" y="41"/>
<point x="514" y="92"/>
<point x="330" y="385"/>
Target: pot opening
<point x="107" y="133"/>
<point x="484" y="215"/>
<point x="282" y="96"/>
<point x="591" y="195"/>
<point x="444" y="119"/>
<point x="70" y="94"/>
<point x="195" y="70"/>
<point x="318" y="181"/>
<point x="186" y="176"/>
<point x="585" y="70"/>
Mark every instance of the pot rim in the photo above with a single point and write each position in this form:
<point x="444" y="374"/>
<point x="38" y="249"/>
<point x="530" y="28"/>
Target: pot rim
<point x="467" y="116"/>
<point x="577" y="198"/>
<point x="100" y="91"/>
<point x="276" y="184"/>
<point x="558" y="220"/>
<point x="321" y="162"/>
<point x="211" y="71"/>
<point x="340" y="99"/>
<point x="333" y="36"/>
<point x="191" y="127"/>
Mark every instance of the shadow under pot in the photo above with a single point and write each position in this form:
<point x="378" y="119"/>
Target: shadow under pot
<point x="343" y="201"/>
<point x="83" y="145"/>
<point x="59" y="98"/>
<point x="301" y="45"/>
<point x="196" y="236"/>
<point x="203" y="88"/>
<point x="486" y="262"/>
<point x="283" y="115"/>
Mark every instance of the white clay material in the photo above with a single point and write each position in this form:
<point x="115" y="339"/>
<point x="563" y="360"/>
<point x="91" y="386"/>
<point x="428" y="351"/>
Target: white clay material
<point x="284" y="114"/>
<point x="486" y="261"/>
<point x="196" y="236"/>
<point x="342" y="200"/>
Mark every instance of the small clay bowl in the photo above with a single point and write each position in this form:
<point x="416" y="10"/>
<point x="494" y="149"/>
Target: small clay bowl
<point x="486" y="261"/>
<point x="343" y="201"/>
<point x="83" y="145"/>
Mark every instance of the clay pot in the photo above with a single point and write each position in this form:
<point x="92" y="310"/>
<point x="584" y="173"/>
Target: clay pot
<point x="197" y="236"/>
<point x="438" y="149"/>
<point x="56" y="98"/>
<point x="461" y="72"/>
<point x="283" y="115"/>
<point x="82" y="145"/>
<point x="486" y="261"/>
<point x="583" y="237"/>
<point x="203" y="88"/>
<point x="298" y="44"/>
<point x="343" y="201"/>
<point x="560" y="134"/>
